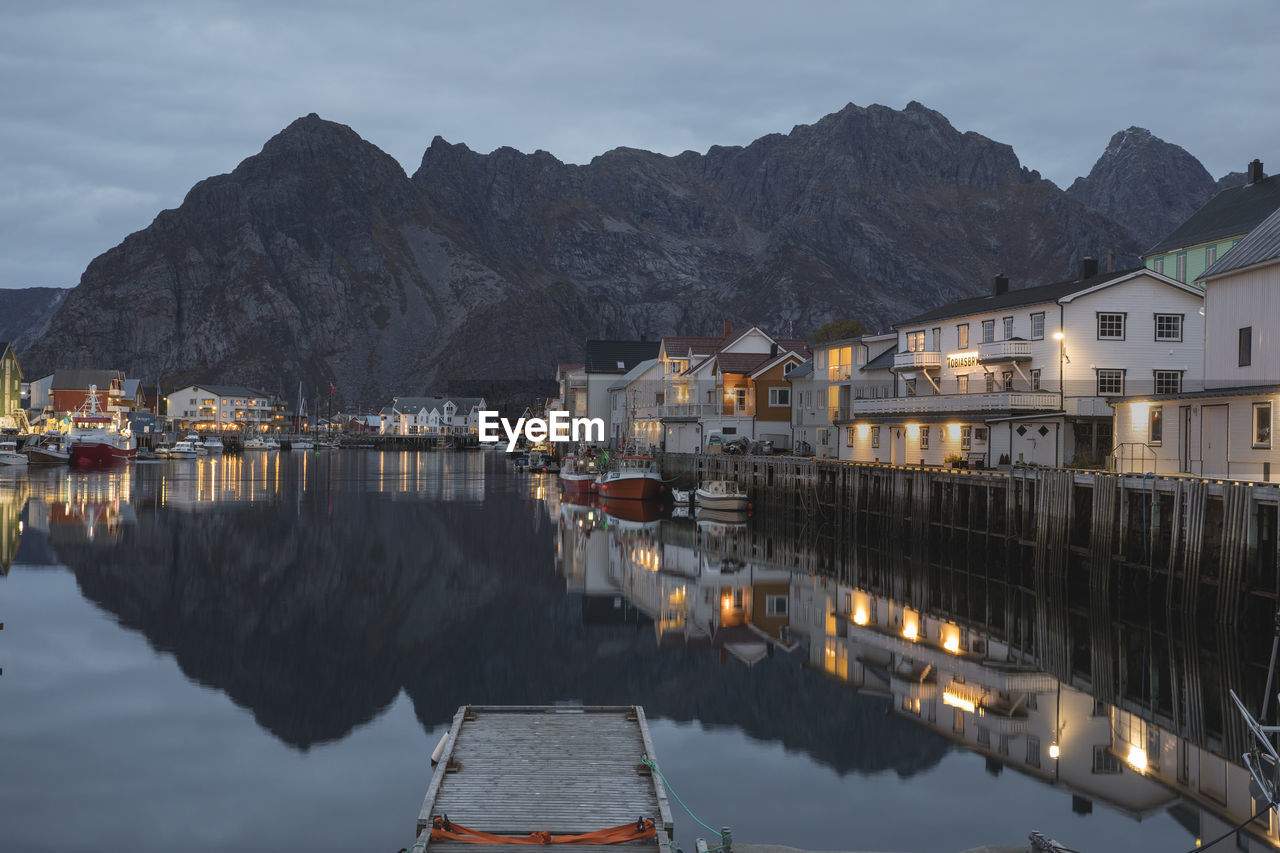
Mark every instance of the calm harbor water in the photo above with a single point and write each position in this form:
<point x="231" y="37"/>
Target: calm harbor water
<point x="260" y="654"/>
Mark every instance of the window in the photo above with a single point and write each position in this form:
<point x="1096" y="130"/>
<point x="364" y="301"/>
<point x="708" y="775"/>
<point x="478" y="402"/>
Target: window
<point x="1246" y="346"/>
<point x="1008" y="328"/>
<point x="984" y="736"/>
<point x="1159" y="266"/>
<point x="1168" y="381"/>
<point x="911" y="387"/>
<point x="775" y="605"/>
<point x="848" y="436"/>
<point x="966" y="437"/>
<point x="962" y="336"/>
<point x="1180" y="265"/>
<point x="988" y="331"/>
<point x="1033" y="751"/>
<point x="1037" y="326"/>
<point x="1110" y="383"/>
<point x="1035" y="379"/>
<point x="915" y="341"/>
<point x="779" y="396"/>
<point x="962" y="384"/>
<point x="924" y="438"/>
<point x="991" y="382"/>
<point x="1110" y="327"/>
<point x="937" y="340"/>
<point x="1104" y="760"/>
<point x="980" y="435"/>
<point x="1006" y="380"/>
<point x="788" y="367"/>
<point x="739" y="598"/>
<point x="1261" y="424"/>
<point x="875" y="436"/>
<point x="824" y="436"/>
<point x="1168" y="327"/>
<point x="1210" y="255"/>
<point x="1155" y="426"/>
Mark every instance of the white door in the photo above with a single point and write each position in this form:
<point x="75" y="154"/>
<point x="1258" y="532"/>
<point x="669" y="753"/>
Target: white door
<point x="1213" y="441"/>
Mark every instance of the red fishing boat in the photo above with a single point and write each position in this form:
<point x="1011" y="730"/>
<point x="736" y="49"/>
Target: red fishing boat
<point x="636" y="478"/>
<point x="95" y="438"/>
<point x="578" y="475"/>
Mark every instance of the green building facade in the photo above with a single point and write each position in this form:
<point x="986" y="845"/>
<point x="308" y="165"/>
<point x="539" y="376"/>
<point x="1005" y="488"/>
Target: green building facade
<point x="10" y="382"/>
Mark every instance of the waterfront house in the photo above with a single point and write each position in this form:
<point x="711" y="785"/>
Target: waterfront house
<point x="224" y="408"/>
<point x="624" y="403"/>
<point x="1215" y="228"/>
<point x="433" y="416"/>
<point x="1023" y="376"/>
<point x="709" y="386"/>
<point x="842" y="370"/>
<point x="606" y="362"/>
<point x="1223" y="430"/>
<point x="12" y="415"/>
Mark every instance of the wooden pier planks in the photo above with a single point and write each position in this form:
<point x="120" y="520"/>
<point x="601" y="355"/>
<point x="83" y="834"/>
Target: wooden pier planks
<point x="513" y="771"/>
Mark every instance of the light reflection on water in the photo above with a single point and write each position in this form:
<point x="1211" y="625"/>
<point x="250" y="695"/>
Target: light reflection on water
<point x="347" y="603"/>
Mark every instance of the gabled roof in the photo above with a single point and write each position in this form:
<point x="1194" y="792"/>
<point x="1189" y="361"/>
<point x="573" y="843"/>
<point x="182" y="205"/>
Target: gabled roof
<point x="802" y="371"/>
<point x="131" y="387"/>
<point x="633" y="374"/>
<point x="618" y="356"/>
<point x="1262" y="245"/>
<point x="1230" y="213"/>
<point x="740" y="362"/>
<point x="680" y="346"/>
<point x="771" y="362"/>
<point x="80" y="379"/>
<point x="1014" y="298"/>
<point x="430" y="404"/>
<point x="883" y="361"/>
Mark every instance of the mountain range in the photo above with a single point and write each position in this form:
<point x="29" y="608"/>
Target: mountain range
<point x="320" y="259"/>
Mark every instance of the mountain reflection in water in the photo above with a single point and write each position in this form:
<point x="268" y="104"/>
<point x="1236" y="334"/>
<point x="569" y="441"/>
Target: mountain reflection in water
<point x="313" y="590"/>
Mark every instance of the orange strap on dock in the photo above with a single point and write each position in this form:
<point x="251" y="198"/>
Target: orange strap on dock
<point x="443" y="829"/>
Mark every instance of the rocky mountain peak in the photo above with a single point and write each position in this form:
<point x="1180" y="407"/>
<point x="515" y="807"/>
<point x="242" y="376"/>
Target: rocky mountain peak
<point x="1150" y="185"/>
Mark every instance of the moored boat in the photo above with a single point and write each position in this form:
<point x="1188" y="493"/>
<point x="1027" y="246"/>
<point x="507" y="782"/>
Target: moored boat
<point x="682" y="497"/>
<point x="255" y="443"/>
<point x="95" y="439"/>
<point x="212" y="444"/>
<point x="578" y="475"/>
<point x="47" y="449"/>
<point x="636" y="478"/>
<point x="723" y="495"/>
<point x="183" y="450"/>
<point x="10" y="457"/>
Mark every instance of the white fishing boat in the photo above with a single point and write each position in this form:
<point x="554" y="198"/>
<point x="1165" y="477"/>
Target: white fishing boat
<point x="212" y="444"/>
<point x="10" y="457"/>
<point x="302" y="444"/>
<point x="723" y="495"/>
<point x="184" y="449"/>
<point x="254" y="444"/>
<point x="272" y="444"/>
<point x="197" y="444"/>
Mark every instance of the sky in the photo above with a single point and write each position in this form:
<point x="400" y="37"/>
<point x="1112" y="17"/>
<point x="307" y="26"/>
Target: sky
<point x="110" y="112"/>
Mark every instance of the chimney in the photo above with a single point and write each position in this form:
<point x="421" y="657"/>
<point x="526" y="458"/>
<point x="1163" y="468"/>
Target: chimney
<point x="773" y="350"/>
<point x="728" y="327"/>
<point x="999" y="285"/>
<point x="1088" y="268"/>
<point x="1255" y="172"/>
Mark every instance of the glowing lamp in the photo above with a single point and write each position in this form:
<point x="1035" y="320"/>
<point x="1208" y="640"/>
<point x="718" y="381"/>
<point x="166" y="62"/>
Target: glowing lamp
<point x="953" y="431"/>
<point x="860" y="617"/>
<point x="864" y="430"/>
<point x="1054" y="752"/>
<point x="913" y="431"/>
<point x="952" y="644"/>
<point x="960" y="702"/>
<point x="1057" y="336"/>
<point x="910" y="631"/>
<point x="1137" y="758"/>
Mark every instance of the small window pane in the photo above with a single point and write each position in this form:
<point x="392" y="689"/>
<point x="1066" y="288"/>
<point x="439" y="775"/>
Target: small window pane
<point x="1246" y="346"/>
<point x="1110" y="383"/>
<point x="1037" y="326"/>
<point x="962" y="336"/>
<point x="1008" y="328"/>
<point x="1155" y="429"/>
<point x="1261" y="424"/>
<point x="988" y="331"/>
<point x="1111" y="327"/>
<point x="1168" y="327"/>
<point x="1168" y="381"/>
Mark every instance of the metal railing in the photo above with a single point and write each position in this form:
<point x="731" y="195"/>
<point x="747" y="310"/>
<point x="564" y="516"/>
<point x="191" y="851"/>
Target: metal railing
<point x="1132" y="456"/>
<point x="940" y="403"/>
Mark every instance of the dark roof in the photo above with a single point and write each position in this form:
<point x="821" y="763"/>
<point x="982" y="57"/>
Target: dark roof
<point x="883" y="361"/>
<point x="80" y="379"/>
<point x="1229" y="213"/>
<point x="618" y="356"/>
<point x="679" y="345"/>
<point x="741" y="362"/>
<point x="1014" y="298"/>
<point x="805" y="369"/>
<point x="1262" y="244"/>
<point x="232" y="390"/>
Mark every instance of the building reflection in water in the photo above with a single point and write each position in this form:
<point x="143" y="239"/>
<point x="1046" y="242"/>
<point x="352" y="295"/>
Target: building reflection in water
<point x="1107" y="730"/>
<point x="14" y="491"/>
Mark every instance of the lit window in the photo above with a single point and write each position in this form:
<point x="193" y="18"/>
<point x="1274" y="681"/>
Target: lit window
<point x="848" y="436"/>
<point x="1037" y="326"/>
<point x="1110" y="327"/>
<point x="1261" y="424"/>
<point x="966" y="437"/>
<point x="875" y="436"/>
<point x="915" y="341"/>
<point x="1168" y="381"/>
<point x="962" y="384"/>
<point x="1155" y="426"/>
<point x="1110" y="383"/>
<point x="1168" y="327"/>
<point x="924" y="438"/>
<point x="1007" y="380"/>
<point x="962" y="336"/>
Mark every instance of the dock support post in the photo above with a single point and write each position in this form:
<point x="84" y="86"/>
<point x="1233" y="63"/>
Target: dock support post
<point x="726" y="839"/>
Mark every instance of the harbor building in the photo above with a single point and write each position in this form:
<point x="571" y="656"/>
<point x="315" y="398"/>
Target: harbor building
<point x="1224" y="429"/>
<point x="224" y="407"/>
<point x="1021" y="375"/>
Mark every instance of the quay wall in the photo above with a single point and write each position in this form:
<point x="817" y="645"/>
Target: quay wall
<point x="1212" y="543"/>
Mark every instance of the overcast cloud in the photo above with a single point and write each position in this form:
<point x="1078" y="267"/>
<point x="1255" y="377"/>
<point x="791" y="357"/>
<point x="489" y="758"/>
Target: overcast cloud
<point x="112" y="111"/>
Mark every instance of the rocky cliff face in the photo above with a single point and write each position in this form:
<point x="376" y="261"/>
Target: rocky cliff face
<point x="25" y="314"/>
<point x="1149" y="185"/>
<point x="319" y="259"/>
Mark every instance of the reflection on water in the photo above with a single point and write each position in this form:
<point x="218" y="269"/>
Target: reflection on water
<point x="313" y="590"/>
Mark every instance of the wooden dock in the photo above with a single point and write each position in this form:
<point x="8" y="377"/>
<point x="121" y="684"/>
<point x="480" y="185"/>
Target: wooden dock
<point x="514" y="771"/>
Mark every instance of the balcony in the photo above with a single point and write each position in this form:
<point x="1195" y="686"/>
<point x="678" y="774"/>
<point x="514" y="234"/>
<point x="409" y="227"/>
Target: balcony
<point x="688" y="410"/>
<point x="1007" y="401"/>
<point x="997" y="351"/>
<point x="919" y="360"/>
<point x="840" y="373"/>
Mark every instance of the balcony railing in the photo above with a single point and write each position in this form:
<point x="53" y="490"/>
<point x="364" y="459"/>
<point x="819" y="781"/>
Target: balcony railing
<point x="920" y="360"/>
<point x="840" y="373"/>
<point x="688" y="410"/>
<point x="1011" y="401"/>
<point x="1004" y="351"/>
